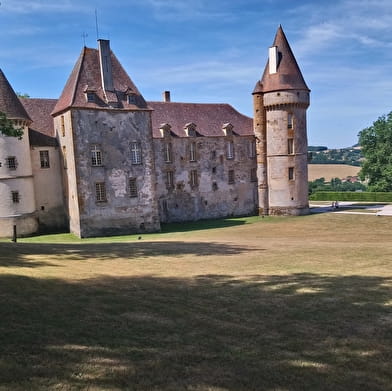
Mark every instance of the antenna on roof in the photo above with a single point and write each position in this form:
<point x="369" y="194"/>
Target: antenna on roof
<point x="84" y="36"/>
<point x="96" y="23"/>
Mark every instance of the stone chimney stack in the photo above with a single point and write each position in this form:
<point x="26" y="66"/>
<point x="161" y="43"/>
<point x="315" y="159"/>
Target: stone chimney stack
<point x="105" y="64"/>
<point x="166" y="96"/>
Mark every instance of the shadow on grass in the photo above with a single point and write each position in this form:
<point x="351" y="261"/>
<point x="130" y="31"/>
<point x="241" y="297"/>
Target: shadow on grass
<point x="22" y="254"/>
<point x="296" y="332"/>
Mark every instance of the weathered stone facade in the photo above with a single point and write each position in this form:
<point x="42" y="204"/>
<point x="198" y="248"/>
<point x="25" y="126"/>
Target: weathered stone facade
<point x="101" y="160"/>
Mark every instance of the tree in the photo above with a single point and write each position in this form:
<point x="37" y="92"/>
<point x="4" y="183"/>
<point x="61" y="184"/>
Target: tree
<point x="7" y="128"/>
<point x="376" y="143"/>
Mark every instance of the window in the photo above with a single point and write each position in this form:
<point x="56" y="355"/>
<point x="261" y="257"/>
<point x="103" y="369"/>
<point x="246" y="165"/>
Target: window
<point x="132" y="185"/>
<point x="252" y="148"/>
<point x="44" y="159"/>
<point x="290" y="146"/>
<point x="131" y="99"/>
<point x="194" y="178"/>
<point x="230" y="150"/>
<point x="231" y="177"/>
<point x="100" y="192"/>
<point x="96" y="156"/>
<point x="192" y="152"/>
<point x="214" y="186"/>
<point x="62" y="125"/>
<point x="291" y="173"/>
<point x="15" y="197"/>
<point x="290" y="121"/>
<point x="169" y="179"/>
<point x="136" y="153"/>
<point x="11" y="162"/>
<point x="213" y="155"/>
<point x="214" y="170"/>
<point x="253" y="174"/>
<point x="90" y="97"/>
<point x="64" y="156"/>
<point x="168" y="152"/>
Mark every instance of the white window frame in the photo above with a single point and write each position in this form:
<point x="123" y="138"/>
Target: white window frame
<point x="230" y="150"/>
<point x="136" y="153"/>
<point x="96" y="156"/>
<point x="44" y="159"/>
<point x="168" y="153"/>
<point x="100" y="192"/>
<point x="192" y="151"/>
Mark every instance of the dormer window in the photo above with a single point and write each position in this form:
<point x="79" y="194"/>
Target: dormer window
<point x="131" y="99"/>
<point x="190" y="129"/>
<point x="90" y="96"/>
<point x="228" y="129"/>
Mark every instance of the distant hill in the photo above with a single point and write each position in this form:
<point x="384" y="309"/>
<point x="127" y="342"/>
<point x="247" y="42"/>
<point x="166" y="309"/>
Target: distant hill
<point x="330" y="171"/>
<point x="322" y="155"/>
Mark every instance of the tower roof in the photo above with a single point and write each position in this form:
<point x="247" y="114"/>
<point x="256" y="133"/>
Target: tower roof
<point x="86" y="77"/>
<point x="281" y="71"/>
<point x="9" y="102"/>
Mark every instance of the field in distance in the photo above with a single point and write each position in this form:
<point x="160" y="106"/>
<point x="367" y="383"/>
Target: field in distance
<point x="329" y="171"/>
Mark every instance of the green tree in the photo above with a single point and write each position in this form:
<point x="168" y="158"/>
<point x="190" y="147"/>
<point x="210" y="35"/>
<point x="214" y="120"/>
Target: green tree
<point x="7" y="128"/>
<point x="376" y="143"/>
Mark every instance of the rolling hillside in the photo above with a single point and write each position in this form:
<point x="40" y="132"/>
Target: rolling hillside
<point x="329" y="171"/>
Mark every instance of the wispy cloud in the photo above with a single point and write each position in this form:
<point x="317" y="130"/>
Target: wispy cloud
<point x="45" y="6"/>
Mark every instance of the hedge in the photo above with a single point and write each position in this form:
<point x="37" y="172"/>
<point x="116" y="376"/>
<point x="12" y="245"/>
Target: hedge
<point x="351" y="196"/>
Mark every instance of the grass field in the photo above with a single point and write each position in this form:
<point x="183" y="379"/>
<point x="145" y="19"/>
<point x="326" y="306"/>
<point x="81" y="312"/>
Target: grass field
<point x="284" y="304"/>
<point x="329" y="171"/>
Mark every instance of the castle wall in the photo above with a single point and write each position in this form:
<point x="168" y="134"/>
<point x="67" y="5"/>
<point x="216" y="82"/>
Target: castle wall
<point x="213" y="196"/>
<point x="48" y="188"/>
<point x="114" y="133"/>
<point x="17" y="201"/>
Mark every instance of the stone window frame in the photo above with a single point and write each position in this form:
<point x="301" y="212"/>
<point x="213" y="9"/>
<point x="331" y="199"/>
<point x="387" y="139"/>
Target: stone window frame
<point x="231" y="177"/>
<point x="193" y="151"/>
<point x="133" y="188"/>
<point x="62" y="125"/>
<point x="136" y="152"/>
<point x="291" y="173"/>
<point x="11" y="163"/>
<point x="100" y="192"/>
<point x="194" y="178"/>
<point x="170" y="179"/>
<point x="290" y="146"/>
<point x="252" y="149"/>
<point x="230" y="150"/>
<point x="64" y="150"/>
<point x="290" y="120"/>
<point x="96" y="155"/>
<point x="15" y="196"/>
<point x="44" y="159"/>
<point x="168" y="152"/>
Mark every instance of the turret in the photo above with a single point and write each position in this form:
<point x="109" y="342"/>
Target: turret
<point x="281" y="99"/>
<point x="17" y="203"/>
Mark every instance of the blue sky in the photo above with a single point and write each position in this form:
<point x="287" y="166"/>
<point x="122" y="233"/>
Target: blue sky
<point x="214" y="51"/>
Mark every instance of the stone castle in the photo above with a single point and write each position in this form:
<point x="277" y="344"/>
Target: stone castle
<point x="101" y="160"/>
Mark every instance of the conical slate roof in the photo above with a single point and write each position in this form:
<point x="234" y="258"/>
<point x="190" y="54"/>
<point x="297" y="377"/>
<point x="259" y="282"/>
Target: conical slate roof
<point x="288" y="76"/>
<point x="9" y="102"/>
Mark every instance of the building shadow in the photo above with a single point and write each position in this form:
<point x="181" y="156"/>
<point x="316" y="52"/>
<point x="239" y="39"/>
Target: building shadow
<point x="283" y="332"/>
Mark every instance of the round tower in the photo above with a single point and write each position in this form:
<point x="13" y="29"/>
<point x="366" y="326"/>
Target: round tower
<point x="17" y="203"/>
<point x="280" y="126"/>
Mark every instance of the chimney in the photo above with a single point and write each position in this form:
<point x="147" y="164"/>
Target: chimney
<point x="105" y="64"/>
<point x="166" y="96"/>
<point x="273" y="59"/>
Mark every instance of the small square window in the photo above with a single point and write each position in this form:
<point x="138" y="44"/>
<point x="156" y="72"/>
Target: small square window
<point x="11" y="162"/>
<point x="44" y="159"/>
<point x="15" y="197"/>
<point x="90" y="97"/>
<point x="131" y="99"/>
<point x="132" y="187"/>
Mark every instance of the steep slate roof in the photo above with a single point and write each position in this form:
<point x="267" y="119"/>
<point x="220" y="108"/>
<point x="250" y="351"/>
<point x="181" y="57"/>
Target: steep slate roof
<point x="86" y="76"/>
<point x="9" y="102"/>
<point x="288" y="75"/>
<point x="41" y="131"/>
<point x="208" y="117"/>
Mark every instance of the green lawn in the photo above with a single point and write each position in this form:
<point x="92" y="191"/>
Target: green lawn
<point x="288" y="304"/>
